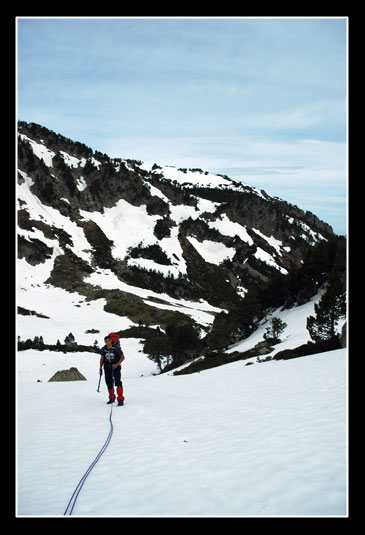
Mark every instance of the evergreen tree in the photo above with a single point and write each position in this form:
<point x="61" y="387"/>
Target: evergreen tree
<point x="183" y="338"/>
<point x="70" y="340"/>
<point x="277" y="327"/>
<point x="64" y="171"/>
<point x="330" y="309"/>
<point x="179" y="342"/>
<point x="89" y="167"/>
<point x="158" y="348"/>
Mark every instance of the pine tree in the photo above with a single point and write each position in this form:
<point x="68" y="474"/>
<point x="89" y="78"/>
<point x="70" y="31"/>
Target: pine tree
<point x="330" y="309"/>
<point x="277" y="327"/>
<point x="70" y="340"/>
<point x="158" y="348"/>
<point x="182" y="339"/>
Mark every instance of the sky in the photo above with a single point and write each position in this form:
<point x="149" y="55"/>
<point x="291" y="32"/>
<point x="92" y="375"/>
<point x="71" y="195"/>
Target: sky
<point x="262" y="100"/>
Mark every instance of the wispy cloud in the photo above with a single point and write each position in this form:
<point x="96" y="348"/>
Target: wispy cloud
<point x="323" y="117"/>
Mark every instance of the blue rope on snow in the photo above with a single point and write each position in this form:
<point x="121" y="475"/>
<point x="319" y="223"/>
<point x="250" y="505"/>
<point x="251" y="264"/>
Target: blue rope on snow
<point x="75" y="495"/>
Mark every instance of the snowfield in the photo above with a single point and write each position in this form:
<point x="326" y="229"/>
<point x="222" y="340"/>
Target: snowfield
<point x="268" y="439"/>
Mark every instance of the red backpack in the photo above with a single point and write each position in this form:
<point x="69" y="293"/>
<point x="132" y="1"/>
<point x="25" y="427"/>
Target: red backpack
<point x="115" y="338"/>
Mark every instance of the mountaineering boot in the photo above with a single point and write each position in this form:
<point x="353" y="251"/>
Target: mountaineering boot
<point x="111" y="396"/>
<point x="120" y="395"/>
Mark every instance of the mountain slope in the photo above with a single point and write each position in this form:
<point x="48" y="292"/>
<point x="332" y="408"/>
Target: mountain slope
<point x="146" y="241"/>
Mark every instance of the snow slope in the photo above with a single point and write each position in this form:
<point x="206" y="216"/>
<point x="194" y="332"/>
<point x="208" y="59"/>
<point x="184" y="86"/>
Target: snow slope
<point x="294" y="334"/>
<point x="263" y="440"/>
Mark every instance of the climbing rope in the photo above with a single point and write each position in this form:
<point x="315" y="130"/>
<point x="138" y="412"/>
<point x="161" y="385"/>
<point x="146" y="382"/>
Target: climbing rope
<point x="75" y="495"/>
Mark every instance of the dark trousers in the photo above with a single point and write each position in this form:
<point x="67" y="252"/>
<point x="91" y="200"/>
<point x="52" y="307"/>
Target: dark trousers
<point x="109" y="376"/>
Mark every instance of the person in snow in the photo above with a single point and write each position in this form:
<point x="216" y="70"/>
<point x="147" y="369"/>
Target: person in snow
<point x="111" y="357"/>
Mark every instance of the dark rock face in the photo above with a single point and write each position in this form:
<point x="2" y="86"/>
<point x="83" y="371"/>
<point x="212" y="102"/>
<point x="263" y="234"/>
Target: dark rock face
<point x="33" y="250"/>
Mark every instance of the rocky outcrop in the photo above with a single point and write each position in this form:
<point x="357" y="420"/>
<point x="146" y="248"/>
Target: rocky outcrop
<point x="72" y="374"/>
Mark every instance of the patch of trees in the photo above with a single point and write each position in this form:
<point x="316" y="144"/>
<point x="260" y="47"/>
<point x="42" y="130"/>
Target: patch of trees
<point x="64" y="172"/>
<point x="55" y="142"/>
<point x="173" y="347"/>
<point x="69" y="346"/>
<point x="330" y="309"/>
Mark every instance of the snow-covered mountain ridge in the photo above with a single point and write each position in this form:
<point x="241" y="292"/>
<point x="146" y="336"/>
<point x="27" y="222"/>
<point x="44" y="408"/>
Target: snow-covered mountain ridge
<point x="154" y="244"/>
